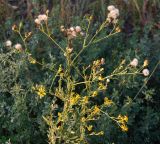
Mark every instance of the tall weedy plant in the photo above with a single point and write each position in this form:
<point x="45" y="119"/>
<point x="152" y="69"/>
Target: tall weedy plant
<point x="75" y="119"/>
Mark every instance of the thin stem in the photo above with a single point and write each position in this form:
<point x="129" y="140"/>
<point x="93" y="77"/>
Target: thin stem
<point x="121" y="74"/>
<point x="84" y="42"/>
<point x="46" y="23"/>
<point x="52" y="40"/>
<point x="97" y="32"/>
<point x="23" y="40"/>
<point x="84" y="82"/>
<point x="112" y="118"/>
<point x="96" y="41"/>
<point x="138" y="9"/>
<point x="146" y="81"/>
<point x="53" y="81"/>
<point x="77" y="70"/>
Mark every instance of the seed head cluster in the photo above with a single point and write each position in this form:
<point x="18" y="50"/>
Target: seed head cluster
<point x="72" y="32"/>
<point x="113" y="14"/>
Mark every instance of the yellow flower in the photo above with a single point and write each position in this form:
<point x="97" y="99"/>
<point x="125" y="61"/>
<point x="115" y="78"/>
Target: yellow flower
<point x="41" y="91"/>
<point x="100" y="78"/>
<point x="89" y="127"/>
<point x="60" y="69"/>
<point x="145" y="63"/>
<point x="83" y="119"/>
<point x="96" y="110"/>
<point x="107" y="102"/>
<point x="119" y="116"/>
<point x="124" y="127"/>
<point x="59" y="116"/>
<point x="95" y="93"/>
<point x="74" y="99"/>
<point x="101" y="86"/>
<point x="118" y="29"/>
<point x="32" y="60"/>
<point x="122" y="121"/>
<point x="85" y="100"/>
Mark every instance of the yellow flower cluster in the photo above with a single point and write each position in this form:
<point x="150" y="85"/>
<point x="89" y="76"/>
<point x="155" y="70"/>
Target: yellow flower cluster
<point x="74" y="99"/>
<point x="60" y="69"/>
<point x="100" y="78"/>
<point x="40" y="90"/>
<point x="101" y="86"/>
<point x="94" y="94"/>
<point x="107" y="102"/>
<point x="96" y="110"/>
<point x="83" y="119"/>
<point x="122" y="120"/>
<point x="85" y="100"/>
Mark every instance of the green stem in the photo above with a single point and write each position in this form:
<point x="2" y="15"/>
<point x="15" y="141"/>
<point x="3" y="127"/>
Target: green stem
<point x="146" y="81"/>
<point x="84" y="43"/>
<point x="96" y="41"/>
<point x="110" y="76"/>
<point x="52" y="40"/>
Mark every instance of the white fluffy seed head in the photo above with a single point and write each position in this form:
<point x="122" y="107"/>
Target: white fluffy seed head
<point x="110" y="8"/>
<point x="78" y="29"/>
<point x="8" y="43"/>
<point x="134" y="62"/>
<point x="108" y="80"/>
<point x="42" y="17"/>
<point x="71" y="28"/>
<point x="145" y="72"/>
<point x="113" y="14"/>
<point x="37" y="21"/>
<point x="18" y="47"/>
<point x="45" y="17"/>
<point x="116" y="11"/>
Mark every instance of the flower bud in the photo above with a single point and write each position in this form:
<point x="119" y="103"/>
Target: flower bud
<point x="37" y="21"/>
<point x="145" y="72"/>
<point x="18" y="47"/>
<point x="145" y="63"/>
<point x="134" y="62"/>
<point x="72" y="29"/>
<point x="78" y="29"/>
<point x="102" y="61"/>
<point x="42" y="17"/>
<point x="110" y="8"/>
<point x="8" y="43"/>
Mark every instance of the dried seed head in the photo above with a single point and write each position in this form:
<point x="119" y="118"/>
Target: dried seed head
<point x="18" y="47"/>
<point x="8" y="43"/>
<point x="78" y="29"/>
<point x="110" y="8"/>
<point x="145" y="72"/>
<point x="37" y="21"/>
<point x="134" y="62"/>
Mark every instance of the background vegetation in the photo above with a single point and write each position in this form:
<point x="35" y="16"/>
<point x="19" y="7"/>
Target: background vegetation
<point x="20" y="110"/>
